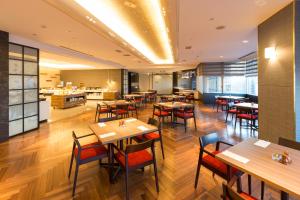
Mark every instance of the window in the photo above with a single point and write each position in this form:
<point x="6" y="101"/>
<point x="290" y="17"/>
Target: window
<point x="212" y="84"/>
<point x="252" y="85"/>
<point x="234" y="84"/>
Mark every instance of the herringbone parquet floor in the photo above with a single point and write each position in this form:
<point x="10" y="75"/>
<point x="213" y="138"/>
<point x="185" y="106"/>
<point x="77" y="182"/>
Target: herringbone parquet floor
<point x="35" y="165"/>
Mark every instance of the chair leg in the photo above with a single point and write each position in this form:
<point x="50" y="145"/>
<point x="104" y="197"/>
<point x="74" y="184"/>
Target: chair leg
<point x="71" y="163"/>
<point x="249" y="184"/>
<point x="126" y="184"/>
<point x="235" y="122"/>
<point x="75" y="179"/>
<point x="184" y="125"/>
<point x="262" y="187"/>
<point x="198" y="171"/>
<point x="195" y="123"/>
<point x="156" y="177"/>
<point x="226" y="117"/>
<point x="162" y="148"/>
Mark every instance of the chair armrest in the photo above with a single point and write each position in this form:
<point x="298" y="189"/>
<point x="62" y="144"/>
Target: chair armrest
<point x="224" y="142"/>
<point x="85" y="136"/>
<point x="209" y="153"/>
<point x="91" y="146"/>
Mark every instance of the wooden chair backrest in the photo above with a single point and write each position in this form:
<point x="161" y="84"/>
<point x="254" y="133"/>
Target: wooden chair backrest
<point x="154" y="122"/>
<point x="289" y="143"/>
<point x="131" y="148"/>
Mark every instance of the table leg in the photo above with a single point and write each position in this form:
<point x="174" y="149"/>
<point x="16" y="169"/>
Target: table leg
<point x="110" y="162"/>
<point x="284" y="196"/>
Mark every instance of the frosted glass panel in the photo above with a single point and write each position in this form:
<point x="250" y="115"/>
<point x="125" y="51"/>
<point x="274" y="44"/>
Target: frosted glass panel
<point x="15" y="112"/>
<point x="30" y="82"/>
<point x="15" y="67"/>
<point x="15" y="97"/>
<point x="30" y="54"/>
<point x="15" y="127"/>
<point x="30" y="95"/>
<point x="30" y="109"/>
<point x="30" y="68"/>
<point x="15" y="82"/>
<point x="30" y="123"/>
<point x="15" y="51"/>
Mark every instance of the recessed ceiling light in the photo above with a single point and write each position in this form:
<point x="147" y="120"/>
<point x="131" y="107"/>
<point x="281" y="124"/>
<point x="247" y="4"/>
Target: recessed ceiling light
<point x="43" y="26"/>
<point x="88" y="17"/>
<point x="211" y="19"/>
<point x="245" y="41"/>
<point x="118" y="50"/>
<point x="221" y="56"/>
<point x="220" y="27"/>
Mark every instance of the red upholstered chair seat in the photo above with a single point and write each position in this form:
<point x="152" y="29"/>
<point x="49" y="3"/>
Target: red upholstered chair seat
<point x="223" y="102"/>
<point x="216" y="164"/>
<point x="168" y="109"/>
<point x="247" y="196"/>
<point x="131" y="108"/>
<point x="120" y="112"/>
<point x="135" y="158"/>
<point x="247" y="116"/>
<point x="91" y="152"/>
<point x="149" y="136"/>
<point x="184" y="115"/>
<point x="103" y="110"/>
<point x="233" y="111"/>
<point x="162" y="113"/>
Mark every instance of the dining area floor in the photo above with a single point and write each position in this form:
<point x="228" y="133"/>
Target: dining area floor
<point x="35" y="165"/>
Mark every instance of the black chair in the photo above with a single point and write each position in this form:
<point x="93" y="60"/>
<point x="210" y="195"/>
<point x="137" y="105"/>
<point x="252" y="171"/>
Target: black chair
<point x="155" y="136"/>
<point x="210" y="162"/>
<point x="230" y="194"/>
<point x="136" y="157"/>
<point x="84" y="154"/>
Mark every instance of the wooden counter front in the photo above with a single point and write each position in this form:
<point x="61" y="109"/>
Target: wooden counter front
<point x="67" y="100"/>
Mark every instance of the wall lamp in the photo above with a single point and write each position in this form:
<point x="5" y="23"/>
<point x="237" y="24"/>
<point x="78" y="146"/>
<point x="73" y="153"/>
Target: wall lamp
<point x="270" y="53"/>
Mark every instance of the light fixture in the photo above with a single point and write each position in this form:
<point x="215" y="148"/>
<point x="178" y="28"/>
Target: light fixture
<point x="64" y="65"/>
<point x="270" y="53"/>
<point x="245" y="41"/>
<point x="221" y="56"/>
<point x="107" y="12"/>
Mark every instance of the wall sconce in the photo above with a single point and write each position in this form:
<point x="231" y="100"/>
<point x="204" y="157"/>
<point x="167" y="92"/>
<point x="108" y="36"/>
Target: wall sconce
<point x="270" y="53"/>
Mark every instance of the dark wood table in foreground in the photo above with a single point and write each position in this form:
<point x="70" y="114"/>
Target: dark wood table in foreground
<point x="285" y="178"/>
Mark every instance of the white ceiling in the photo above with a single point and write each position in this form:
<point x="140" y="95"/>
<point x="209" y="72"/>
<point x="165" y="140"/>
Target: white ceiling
<point x="39" y="24"/>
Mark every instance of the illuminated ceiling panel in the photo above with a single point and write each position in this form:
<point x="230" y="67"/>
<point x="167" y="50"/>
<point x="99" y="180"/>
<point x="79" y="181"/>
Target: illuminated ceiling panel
<point x="140" y="26"/>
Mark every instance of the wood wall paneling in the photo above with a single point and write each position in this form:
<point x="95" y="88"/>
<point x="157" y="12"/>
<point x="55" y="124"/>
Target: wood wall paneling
<point x="4" y="85"/>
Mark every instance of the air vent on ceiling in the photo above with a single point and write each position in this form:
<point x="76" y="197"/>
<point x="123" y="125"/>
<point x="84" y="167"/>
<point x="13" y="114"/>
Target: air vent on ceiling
<point x="188" y="47"/>
<point x="76" y="51"/>
<point x="118" y="50"/>
<point x="126" y="55"/>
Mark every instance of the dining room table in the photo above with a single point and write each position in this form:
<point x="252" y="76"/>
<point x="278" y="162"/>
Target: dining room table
<point x="257" y="158"/>
<point x="252" y="106"/>
<point x="116" y="131"/>
<point x="230" y="97"/>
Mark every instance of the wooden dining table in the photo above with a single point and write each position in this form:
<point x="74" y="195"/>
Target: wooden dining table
<point x="253" y="106"/>
<point x="116" y="102"/>
<point x="254" y="157"/>
<point x="228" y="97"/>
<point x="111" y="132"/>
<point x="175" y="105"/>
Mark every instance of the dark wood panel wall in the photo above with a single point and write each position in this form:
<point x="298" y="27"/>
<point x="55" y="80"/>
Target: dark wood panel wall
<point x="297" y="67"/>
<point x="3" y="85"/>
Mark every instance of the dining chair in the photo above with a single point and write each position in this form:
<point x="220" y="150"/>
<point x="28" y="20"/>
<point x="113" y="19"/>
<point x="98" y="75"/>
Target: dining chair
<point x="210" y="161"/>
<point x="84" y="154"/>
<point x="230" y="194"/>
<point x="287" y="143"/>
<point x="136" y="156"/>
<point x="159" y="112"/>
<point x="155" y="136"/>
<point x="246" y="114"/>
<point x="132" y="108"/>
<point x="190" y="97"/>
<point x="220" y="102"/>
<point x="185" y="114"/>
<point x="138" y="100"/>
<point x="101" y="109"/>
<point x="121" y="110"/>
<point x="231" y="109"/>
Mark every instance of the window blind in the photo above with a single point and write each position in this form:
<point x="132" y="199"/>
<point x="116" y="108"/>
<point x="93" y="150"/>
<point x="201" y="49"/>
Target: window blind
<point x="251" y="68"/>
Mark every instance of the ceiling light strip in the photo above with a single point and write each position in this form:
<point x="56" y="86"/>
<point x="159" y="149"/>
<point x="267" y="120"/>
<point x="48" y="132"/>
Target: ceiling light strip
<point x="106" y="12"/>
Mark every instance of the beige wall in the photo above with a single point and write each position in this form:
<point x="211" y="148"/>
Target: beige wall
<point x="163" y="83"/>
<point x="276" y="77"/>
<point x="49" y="78"/>
<point x="144" y="82"/>
<point x="93" y="78"/>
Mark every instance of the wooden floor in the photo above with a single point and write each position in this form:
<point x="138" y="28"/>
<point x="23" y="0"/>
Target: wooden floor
<point x="34" y="165"/>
